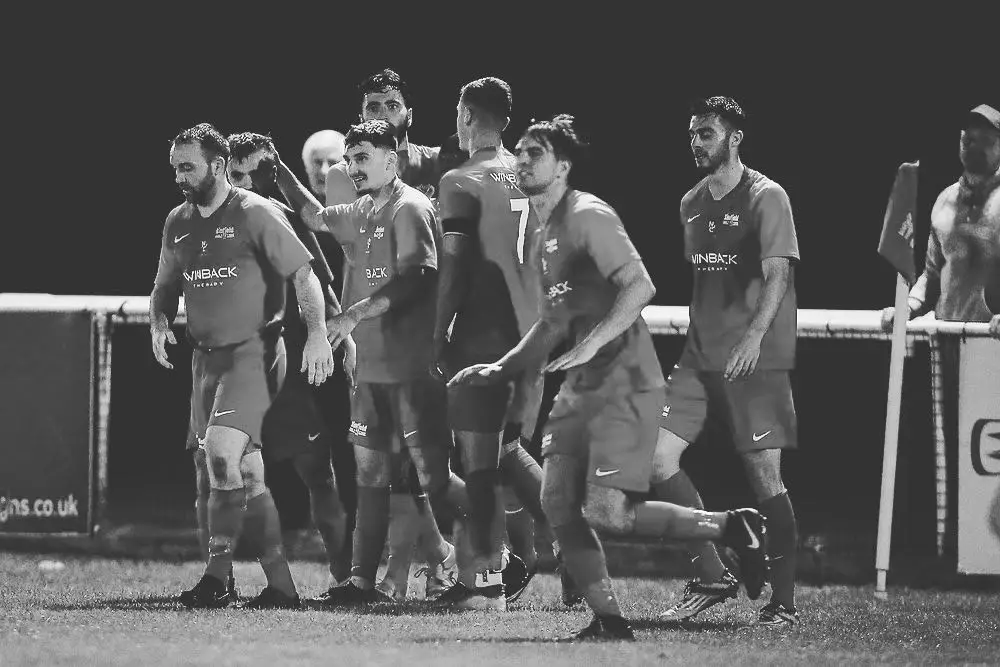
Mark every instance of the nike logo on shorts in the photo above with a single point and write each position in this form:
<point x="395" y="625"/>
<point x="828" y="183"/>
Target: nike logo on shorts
<point x="754" y="542"/>
<point x="758" y="438"/>
<point x="693" y="217"/>
<point x="407" y="435"/>
<point x="312" y="436"/>
<point x="178" y="239"/>
<point x="604" y="473"/>
<point x="219" y="413"/>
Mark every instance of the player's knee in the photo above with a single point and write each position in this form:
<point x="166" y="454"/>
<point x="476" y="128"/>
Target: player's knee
<point x="225" y="474"/>
<point x="609" y="510"/>
<point x="667" y="455"/>
<point x="763" y="468"/>
<point x="252" y="473"/>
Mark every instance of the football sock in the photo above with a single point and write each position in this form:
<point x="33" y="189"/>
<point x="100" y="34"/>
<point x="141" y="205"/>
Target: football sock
<point x="522" y="473"/>
<point x="370" y="533"/>
<point x="272" y="554"/>
<point x="583" y="557"/>
<point x="481" y="487"/>
<point x="329" y="518"/>
<point x="782" y="542"/>
<point x="225" y="518"/>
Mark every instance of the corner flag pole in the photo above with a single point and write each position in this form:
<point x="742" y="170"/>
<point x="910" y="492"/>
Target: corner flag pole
<point x="891" y="445"/>
<point x="896" y="245"/>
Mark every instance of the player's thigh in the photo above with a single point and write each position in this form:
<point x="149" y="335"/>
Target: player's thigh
<point x="478" y="409"/>
<point x="372" y="426"/>
<point x="623" y="437"/>
<point x="761" y="411"/>
<point x="685" y="406"/>
<point x="374" y="467"/>
<point x="420" y="412"/>
<point x="250" y="375"/>
<point x="525" y="404"/>
<point x="314" y="465"/>
<point x="224" y="448"/>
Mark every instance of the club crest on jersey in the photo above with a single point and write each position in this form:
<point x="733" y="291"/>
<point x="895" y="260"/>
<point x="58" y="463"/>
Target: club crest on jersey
<point x="427" y="190"/>
<point x="359" y="429"/>
<point x="731" y="219"/>
<point x="551" y="245"/>
<point x="379" y="232"/>
<point x="225" y="232"/>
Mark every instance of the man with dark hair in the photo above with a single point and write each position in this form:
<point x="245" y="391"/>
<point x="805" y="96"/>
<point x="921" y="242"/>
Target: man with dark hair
<point x="486" y="301"/>
<point x="600" y="438"/>
<point x="389" y="237"/>
<point x="294" y="428"/>
<point x="230" y="252"/>
<point x="740" y="239"/>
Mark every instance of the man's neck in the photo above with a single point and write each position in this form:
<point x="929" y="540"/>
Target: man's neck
<point x="222" y="190"/>
<point x="381" y="197"/>
<point x="977" y="180"/>
<point x="484" y="141"/>
<point x="403" y="144"/>
<point x="546" y="202"/>
<point x="725" y="178"/>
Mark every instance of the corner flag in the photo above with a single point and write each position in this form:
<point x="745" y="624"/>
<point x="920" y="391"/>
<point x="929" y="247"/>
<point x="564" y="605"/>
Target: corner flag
<point x="896" y="244"/>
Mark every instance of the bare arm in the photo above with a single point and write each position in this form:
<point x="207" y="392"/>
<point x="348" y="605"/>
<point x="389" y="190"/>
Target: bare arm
<point x="777" y="274"/>
<point x="317" y="356"/>
<point x="163" y="303"/>
<point x="300" y="199"/>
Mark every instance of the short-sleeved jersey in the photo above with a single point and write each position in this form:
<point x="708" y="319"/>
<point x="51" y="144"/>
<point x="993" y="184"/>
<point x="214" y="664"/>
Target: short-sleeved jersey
<point x="725" y="241"/>
<point x="380" y="243"/>
<point x="420" y="167"/>
<point x="581" y="245"/>
<point x="231" y="266"/>
<point x="501" y="303"/>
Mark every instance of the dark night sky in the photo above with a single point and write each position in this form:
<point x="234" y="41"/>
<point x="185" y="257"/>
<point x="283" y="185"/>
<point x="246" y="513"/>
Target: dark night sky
<point x="835" y="104"/>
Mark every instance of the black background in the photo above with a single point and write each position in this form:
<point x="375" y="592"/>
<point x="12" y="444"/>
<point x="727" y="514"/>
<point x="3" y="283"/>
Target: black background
<point x="836" y="96"/>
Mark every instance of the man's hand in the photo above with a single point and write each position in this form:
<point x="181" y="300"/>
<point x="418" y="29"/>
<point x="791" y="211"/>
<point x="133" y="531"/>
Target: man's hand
<point x="339" y="327"/>
<point x="351" y="360"/>
<point x="478" y="375"/>
<point x="995" y="326"/>
<point x="743" y="357"/>
<point x="317" y="359"/>
<point x="162" y="336"/>
<point x="578" y="355"/>
<point x="439" y="368"/>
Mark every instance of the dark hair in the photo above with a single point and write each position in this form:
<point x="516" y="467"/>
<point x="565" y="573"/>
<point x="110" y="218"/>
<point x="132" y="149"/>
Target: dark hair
<point x="378" y="133"/>
<point x="561" y="135"/>
<point x="383" y="81"/>
<point x="726" y="108"/>
<point x="209" y="139"/>
<point x="489" y="95"/>
<point x="245" y="144"/>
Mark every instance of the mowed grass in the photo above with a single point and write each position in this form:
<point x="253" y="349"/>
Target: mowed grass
<point x="110" y="612"/>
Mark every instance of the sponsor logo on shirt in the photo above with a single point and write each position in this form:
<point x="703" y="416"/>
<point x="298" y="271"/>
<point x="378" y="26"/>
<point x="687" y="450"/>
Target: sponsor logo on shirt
<point x="546" y="440"/>
<point x="359" y="429"/>
<point x="731" y="219"/>
<point x="376" y="272"/>
<point x="204" y="247"/>
<point x="225" y="232"/>
<point x="711" y="226"/>
<point x="551" y="245"/>
<point x="557" y="290"/>
<point x="210" y="276"/>
<point x="714" y="261"/>
<point x="508" y="179"/>
<point x="379" y="232"/>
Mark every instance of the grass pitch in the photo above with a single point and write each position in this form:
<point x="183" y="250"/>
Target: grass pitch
<point x="113" y="612"/>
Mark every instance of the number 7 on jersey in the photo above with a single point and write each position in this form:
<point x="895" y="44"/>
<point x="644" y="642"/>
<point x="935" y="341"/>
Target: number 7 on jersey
<point x="520" y="206"/>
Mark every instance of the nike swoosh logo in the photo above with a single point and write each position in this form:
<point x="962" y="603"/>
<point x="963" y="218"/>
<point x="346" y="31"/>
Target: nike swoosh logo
<point x="605" y="473"/>
<point x="754" y="542"/>
<point x="407" y="435"/>
<point x="693" y="217"/>
<point x="224" y="412"/>
<point x="312" y="436"/>
<point x="757" y="438"/>
<point x="178" y="239"/>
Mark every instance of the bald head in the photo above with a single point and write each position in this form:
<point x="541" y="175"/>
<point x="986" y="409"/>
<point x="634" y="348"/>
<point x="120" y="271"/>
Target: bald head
<point x="321" y="151"/>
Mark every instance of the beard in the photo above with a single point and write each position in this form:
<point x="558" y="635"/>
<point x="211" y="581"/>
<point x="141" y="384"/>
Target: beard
<point x="201" y="193"/>
<point x="975" y="162"/>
